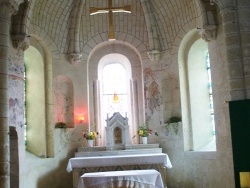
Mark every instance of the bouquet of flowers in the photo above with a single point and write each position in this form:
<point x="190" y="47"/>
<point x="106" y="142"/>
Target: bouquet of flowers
<point x="90" y="135"/>
<point x="144" y="131"/>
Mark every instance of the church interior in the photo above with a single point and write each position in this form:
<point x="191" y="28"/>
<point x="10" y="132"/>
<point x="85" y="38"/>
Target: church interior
<point x="178" y="68"/>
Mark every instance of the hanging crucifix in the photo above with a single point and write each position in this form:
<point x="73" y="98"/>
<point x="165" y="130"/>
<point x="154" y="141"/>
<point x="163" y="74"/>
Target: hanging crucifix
<point x="110" y="10"/>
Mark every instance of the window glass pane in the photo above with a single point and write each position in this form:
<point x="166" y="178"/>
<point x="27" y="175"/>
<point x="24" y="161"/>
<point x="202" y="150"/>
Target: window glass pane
<point x="114" y="85"/>
<point x="114" y="79"/>
<point x="24" y="97"/>
<point x="210" y="91"/>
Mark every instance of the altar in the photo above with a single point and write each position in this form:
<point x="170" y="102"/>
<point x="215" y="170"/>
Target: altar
<point x="135" y="157"/>
<point x="130" y="178"/>
<point x="118" y="154"/>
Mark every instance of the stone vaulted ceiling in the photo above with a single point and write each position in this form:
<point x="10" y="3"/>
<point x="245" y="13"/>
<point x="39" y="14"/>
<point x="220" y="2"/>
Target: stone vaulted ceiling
<point x="166" y="18"/>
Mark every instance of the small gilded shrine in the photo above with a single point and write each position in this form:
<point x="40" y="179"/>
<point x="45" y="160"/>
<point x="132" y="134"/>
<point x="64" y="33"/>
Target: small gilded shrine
<point x="117" y="131"/>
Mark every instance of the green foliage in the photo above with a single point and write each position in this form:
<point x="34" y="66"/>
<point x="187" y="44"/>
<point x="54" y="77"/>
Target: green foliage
<point x="144" y="131"/>
<point x="172" y="123"/>
<point x="90" y="135"/>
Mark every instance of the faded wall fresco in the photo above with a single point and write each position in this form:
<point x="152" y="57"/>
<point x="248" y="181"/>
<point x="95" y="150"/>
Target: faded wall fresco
<point x="63" y="97"/>
<point x="152" y="93"/>
<point x="16" y="91"/>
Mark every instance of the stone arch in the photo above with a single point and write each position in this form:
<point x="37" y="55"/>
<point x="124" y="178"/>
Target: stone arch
<point x="182" y="33"/>
<point x="137" y="45"/>
<point x="136" y="83"/>
<point x="46" y="42"/>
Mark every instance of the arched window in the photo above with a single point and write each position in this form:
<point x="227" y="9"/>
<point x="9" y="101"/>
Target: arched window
<point x="210" y="93"/>
<point x="115" y="73"/>
<point x="37" y="109"/>
<point x="114" y="89"/>
<point x="35" y="102"/>
<point x="24" y="116"/>
<point x="196" y="96"/>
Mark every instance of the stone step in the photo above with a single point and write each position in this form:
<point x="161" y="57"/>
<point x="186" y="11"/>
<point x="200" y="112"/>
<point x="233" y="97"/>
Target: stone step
<point x="129" y="150"/>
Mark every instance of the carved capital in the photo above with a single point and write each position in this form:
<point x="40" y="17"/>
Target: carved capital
<point x="75" y="58"/>
<point x="212" y="2"/>
<point x="20" y="41"/>
<point x="208" y="33"/>
<point x="217" y="2"/>
<point x="154" y="55"/>
<point x="7" y="8"/>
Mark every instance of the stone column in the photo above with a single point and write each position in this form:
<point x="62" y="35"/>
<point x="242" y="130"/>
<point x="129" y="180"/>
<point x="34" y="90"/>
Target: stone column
<point x="7" y="8"/>
<point x="154" y="42"/>
<point x="74" y="32"/>
<point x="244" y="26"/>
<point x="234" y="53"/>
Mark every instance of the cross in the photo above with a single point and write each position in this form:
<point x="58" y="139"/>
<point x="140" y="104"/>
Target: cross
<point x="110" y="10"/>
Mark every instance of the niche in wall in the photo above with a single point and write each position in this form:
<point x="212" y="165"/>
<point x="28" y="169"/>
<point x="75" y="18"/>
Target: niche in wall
<point x="63" y="96"/>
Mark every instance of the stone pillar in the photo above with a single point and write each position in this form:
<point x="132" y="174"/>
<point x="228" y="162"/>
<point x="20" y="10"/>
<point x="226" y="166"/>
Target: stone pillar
<point x="234" y="54"/>
<point x="154" y="42"/>
<point x="74" y="32"/>
<point x="7" y="8"/>
<point x="244" y="26"/>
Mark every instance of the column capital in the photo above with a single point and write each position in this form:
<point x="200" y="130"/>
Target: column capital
<point x="20" y="41"/>
<point x="224" y="5"/>
<point x="7" y="8"/>
<point x="75" y="58"/>
<point x="154" y="55"/>
<point x="208" y="33"/>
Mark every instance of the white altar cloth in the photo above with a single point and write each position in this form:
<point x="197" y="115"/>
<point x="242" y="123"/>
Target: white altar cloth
<point x="121" y="160"/>
<point x="130" y="178"/>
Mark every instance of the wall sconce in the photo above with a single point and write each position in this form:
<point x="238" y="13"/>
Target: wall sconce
<point x="81" y="119"/>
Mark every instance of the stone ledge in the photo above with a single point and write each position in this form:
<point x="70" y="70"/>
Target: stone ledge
<point x="128" y="150"/>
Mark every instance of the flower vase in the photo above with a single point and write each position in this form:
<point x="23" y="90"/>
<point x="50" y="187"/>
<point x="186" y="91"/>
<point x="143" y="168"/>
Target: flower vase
<point x="91" y="143"/>
<point x="144" y="140"/>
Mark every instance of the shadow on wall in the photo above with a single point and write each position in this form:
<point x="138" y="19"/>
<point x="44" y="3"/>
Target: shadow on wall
<point x="67" y="140"/>
<point x="59" y="177"/>
<point x="14" y="158"/>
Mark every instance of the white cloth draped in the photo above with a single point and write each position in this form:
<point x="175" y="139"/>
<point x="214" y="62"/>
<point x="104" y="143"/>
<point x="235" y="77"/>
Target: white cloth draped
<point x="116" y="179"/>
<point x="119" y="160"/>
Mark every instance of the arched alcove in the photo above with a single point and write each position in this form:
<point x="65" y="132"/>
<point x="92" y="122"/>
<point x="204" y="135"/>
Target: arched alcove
<point x="64" y="100"/>
<point x="135" y="82"/>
